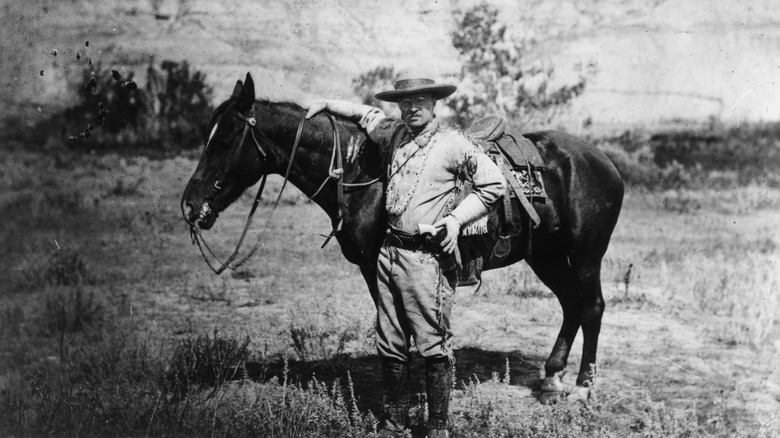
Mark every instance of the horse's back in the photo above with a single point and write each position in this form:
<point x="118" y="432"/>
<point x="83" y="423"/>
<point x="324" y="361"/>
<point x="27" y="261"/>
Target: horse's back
<point x="586" y="161"/>
<point x="584" y="187"/>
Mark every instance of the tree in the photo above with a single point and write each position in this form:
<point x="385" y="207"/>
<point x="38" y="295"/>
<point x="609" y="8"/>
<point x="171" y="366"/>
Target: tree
<point x="371" y="82"/>
<point x="496" y="76"/>
<point x="179" y="105"/>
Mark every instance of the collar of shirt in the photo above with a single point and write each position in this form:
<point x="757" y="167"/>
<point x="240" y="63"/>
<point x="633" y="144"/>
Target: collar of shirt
<point x="424" y="136"/>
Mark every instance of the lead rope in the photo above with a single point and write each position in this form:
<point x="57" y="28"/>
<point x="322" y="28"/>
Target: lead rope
<point x="336" y="173"/>
<point x="197" y="237"/>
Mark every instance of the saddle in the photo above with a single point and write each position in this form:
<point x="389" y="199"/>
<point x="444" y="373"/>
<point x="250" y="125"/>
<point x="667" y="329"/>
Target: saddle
<point x="522" y="165"/>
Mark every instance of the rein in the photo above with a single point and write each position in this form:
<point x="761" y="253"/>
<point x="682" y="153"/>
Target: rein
<point x="250" y="122"/>
<point x="335" y="172"/>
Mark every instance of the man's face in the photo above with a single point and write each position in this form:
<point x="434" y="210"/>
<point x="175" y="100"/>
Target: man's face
<point x="417" y="109"/>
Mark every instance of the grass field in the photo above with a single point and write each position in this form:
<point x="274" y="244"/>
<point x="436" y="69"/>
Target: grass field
<point x="112" y="325"/>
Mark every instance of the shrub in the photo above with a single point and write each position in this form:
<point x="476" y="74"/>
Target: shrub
<point x="207" y="361"/>
<point x="326" y="331"/>
<point x="115" y="385"/>
<point x="72" y="310"/>
<point x="65" y="267"/>
<point x="106" y="109"/>
<point x="702" y="158"/>
<point x="179" y="106"/>
<point x="752" y="151"/>
<point x="281" y="409"/>
<point x="99" y="385"/>
<point x="62" y="267"/>
<point x="493" y="409"/>
<point x="168" y="114"/>
<point x="633" y="168"/>
<point x="12" y="319"/>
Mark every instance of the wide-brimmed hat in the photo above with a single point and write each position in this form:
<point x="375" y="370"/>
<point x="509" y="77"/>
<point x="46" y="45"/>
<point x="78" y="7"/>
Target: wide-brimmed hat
<point x="409" y="85"/>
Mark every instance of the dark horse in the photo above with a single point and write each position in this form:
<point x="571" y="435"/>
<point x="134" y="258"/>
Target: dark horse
<point x="584" y="188"/>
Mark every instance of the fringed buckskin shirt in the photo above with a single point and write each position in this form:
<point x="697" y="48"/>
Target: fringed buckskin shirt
<point x="427" y="169"/>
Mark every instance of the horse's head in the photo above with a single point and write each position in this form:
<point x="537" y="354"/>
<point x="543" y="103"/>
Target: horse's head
<point x="232" y="159"/>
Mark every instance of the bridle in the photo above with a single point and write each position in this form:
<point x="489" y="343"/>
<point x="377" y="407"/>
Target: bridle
<point x="335" y="172"/>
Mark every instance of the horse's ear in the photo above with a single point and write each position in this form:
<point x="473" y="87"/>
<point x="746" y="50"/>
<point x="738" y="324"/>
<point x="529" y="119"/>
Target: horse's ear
<point x="246" y="97"/>
<point x="237" y="89"/>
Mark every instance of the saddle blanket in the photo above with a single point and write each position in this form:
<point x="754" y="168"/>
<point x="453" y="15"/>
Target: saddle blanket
<point x="533" y="189"/>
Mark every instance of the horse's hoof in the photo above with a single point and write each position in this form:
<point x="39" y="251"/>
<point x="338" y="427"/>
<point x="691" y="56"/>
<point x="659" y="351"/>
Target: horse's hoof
<point x="553" y="389"/>
<point x="580" y="394"/>
<point x="551" y="398"/>
<point x="553" y="384"/>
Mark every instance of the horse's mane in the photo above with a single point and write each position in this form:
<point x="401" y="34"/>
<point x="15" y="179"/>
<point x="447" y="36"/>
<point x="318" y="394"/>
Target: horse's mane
<point x="293" y="107"/>
<point x="283" y="106"/>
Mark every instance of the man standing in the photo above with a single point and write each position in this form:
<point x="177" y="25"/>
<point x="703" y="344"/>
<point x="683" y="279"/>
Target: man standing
<point x="428" y="163"/>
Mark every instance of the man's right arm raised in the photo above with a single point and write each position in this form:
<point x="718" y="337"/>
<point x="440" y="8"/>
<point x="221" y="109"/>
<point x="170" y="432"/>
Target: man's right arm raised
<point x="381" y="129"/>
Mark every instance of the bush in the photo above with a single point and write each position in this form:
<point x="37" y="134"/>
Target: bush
<point x="65" y="268"/>
<point x="104" y="384"/>
<point x="207" y="361"/>
<point x="493" y="409"/>
<point x="71" y="311"/>
<point x="115" y="385"/>
<point x="716" y="157"/>
<point x="633" y="168"/>
<point x="281" y="409"/>
<point x="750" y="150"/>
<point x="328" y="330"/>
<point x="104" y="108"/>
<point x="62" y="267"/>
<point x="178" y="106"/>
<point x="168" y="114"/>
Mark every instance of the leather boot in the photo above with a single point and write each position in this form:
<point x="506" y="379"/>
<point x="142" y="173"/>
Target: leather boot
<point x="395" y="378"/>
<point x="438" y="380"/>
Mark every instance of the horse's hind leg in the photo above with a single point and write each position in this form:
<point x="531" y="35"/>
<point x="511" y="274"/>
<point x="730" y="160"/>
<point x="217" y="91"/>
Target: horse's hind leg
<point x="557" y="274"/>
<point x="588" y="273"/>
<point x="576" y="282"/>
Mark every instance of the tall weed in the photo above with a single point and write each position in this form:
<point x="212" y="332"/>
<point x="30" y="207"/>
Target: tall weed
<point x="493" y="409"/>
<point x="207" y="361"/>
<point x="61" y="267"/>
<point x="743" y="292"/>
<point x="69" y="310"/>
<point x="327" y="328"/>
<point x="117" y="384"/>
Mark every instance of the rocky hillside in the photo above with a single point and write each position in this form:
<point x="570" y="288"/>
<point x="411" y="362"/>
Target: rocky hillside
<point x="657" y="61"/>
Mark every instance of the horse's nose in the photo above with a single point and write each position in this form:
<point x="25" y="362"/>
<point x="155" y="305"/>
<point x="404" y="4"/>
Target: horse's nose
<point x="188" y="210"/>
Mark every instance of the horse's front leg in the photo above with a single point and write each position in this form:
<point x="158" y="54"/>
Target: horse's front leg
<point x="369" y="275"/>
